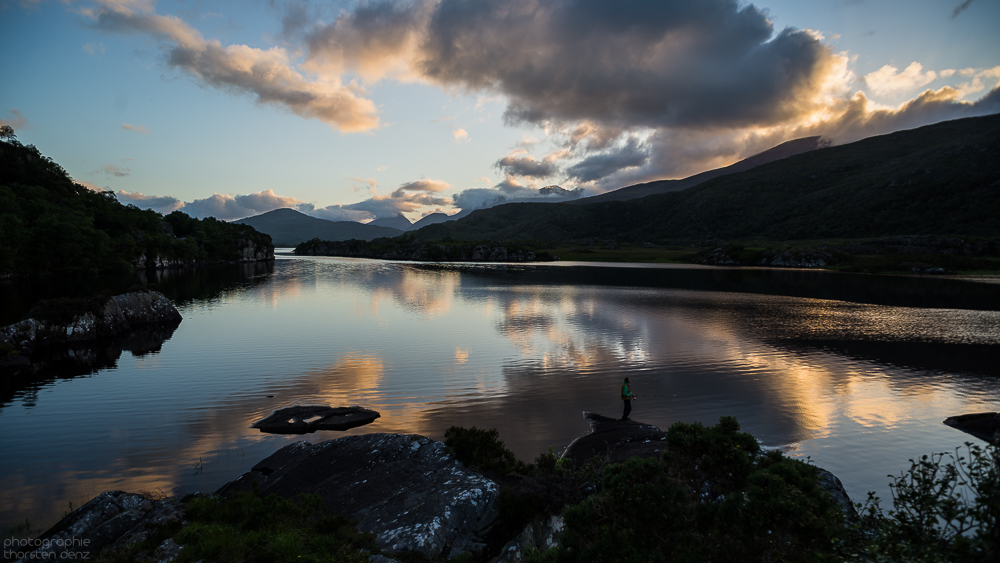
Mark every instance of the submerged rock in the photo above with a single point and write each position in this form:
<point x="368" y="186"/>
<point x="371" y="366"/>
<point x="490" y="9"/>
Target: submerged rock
<point x="984" y="425"/>
<point x="406" y="489"/>
<point x="302" y="419"/>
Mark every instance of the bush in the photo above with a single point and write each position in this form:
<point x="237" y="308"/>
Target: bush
<point x="945" y="508"/>
<point x="711" y="496"/>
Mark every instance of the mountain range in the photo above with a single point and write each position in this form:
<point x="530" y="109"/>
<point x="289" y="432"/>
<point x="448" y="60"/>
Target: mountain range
<point x="941" y="179"/>
<point x="784" y="150"/>
<point x="288" y="227"/>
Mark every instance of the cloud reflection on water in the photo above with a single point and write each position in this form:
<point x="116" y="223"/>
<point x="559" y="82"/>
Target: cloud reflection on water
<point x="435" y="346"/>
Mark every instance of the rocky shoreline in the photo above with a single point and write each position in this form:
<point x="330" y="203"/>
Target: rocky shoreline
<point x="68" y="329"/>
<point x="407" y="490"/>
<point x="390" y="249"/>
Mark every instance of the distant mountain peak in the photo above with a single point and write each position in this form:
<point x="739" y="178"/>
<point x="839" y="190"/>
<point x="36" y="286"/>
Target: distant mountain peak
<point x="397" y="221"/>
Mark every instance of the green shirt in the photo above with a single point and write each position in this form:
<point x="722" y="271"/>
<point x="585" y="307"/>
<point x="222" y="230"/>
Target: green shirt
<point x="626" y="392"/>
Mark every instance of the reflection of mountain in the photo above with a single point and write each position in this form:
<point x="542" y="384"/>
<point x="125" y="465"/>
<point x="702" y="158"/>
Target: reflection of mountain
<point x="978" y="359"/>
<point x="76" y="361"/>
<point x="900" y="291"/>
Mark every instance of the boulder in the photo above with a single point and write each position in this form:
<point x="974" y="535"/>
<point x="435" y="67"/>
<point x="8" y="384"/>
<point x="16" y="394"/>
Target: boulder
<point x="116" y="316"/>
<point x="616" y="439"/>
<point x="540" y="535"/>
<point x="983" y="425"/>
<point x="109" y="520"/>
<point x="406" y="489"/>
<point x="302" y="419"/>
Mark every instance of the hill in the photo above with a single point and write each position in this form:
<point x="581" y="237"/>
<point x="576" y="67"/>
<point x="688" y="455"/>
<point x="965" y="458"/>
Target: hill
<point x="288" y="227"/>
<point x="398" y="221"/>
<point x="784" y="150"/>
<point x="941" y="179"/>
<point x="50" y="225"/>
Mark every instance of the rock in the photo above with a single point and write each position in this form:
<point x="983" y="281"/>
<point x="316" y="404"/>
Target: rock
<point x="540" y="535"/>
<point x="302" y="419"/>
<point x="831" y="484"/>
<point x="115" y="317"/>
<point x="807" y="258"/>
<point x="616" y="439"/>
<point x="984" y="425"/>
<point x="406" y="489"/>
<point x="109" y="520"/>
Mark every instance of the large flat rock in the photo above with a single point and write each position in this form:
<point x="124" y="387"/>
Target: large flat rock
<point x="617" y="439"/>
<point x="407" y="489"/>
<point x="302" y="419"/>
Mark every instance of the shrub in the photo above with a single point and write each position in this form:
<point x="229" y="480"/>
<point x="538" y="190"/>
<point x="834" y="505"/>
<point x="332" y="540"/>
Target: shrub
<point x="945" y="508"/>
<point x="711" y="496"/>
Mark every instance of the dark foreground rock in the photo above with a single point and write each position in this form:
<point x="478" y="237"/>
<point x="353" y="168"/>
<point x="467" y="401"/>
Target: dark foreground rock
<point x="616" y="439"/>
<point x="984" y="425"/>
<point x="109" y="520"/>
<point x="102" y="319"/>
<point x="303" y="419"/>
<point x="406" y="489"/>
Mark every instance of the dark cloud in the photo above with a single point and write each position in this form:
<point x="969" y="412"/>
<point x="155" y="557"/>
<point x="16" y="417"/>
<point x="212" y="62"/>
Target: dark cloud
<point x="960" y="8"/>
<point x="632" y="154"/>
<point x="113" y="170"/>
<point x="526" y="166"/>
<point x="669" y="63"/>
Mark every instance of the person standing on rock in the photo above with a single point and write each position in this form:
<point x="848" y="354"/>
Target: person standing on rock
<point x="627" y="397"/>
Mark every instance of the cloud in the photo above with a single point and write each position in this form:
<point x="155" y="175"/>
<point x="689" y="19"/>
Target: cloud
<point x="114" y="170"/>
<point x="889" y="81"/>
<point x="960" y="8"/>
<point x="220" y="206"/>
<point x="268" y="76"/>
<point x="461" y="135"/>
<point x="510" y="191"/>
<point x="632" y="154"/>
<point x="94" y="48"/>
<point x="161" y="204"/>
<point x="138" y="129"/>
<point x="424" y="186"/>
<point x="526" y="166"/>
<point x="15" y="119"/>
<point x="671" y="63"/>
<point x="89" y="186"/>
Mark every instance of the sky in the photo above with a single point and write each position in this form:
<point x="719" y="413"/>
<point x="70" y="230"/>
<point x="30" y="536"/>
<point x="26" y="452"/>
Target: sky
<point x="362" y="110"/>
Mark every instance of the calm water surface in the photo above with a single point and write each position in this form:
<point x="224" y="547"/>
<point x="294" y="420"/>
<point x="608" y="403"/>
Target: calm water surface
<point x="855" y="372"/>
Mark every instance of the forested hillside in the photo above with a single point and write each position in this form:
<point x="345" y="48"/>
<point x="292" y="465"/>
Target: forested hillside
<point x="50" y="225"/>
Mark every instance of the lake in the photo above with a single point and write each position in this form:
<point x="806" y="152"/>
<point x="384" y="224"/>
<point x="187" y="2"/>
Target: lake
<point x="855" y="372"/>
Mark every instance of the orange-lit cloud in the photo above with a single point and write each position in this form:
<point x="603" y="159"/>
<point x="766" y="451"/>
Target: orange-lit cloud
<point x="889" y="80"/>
